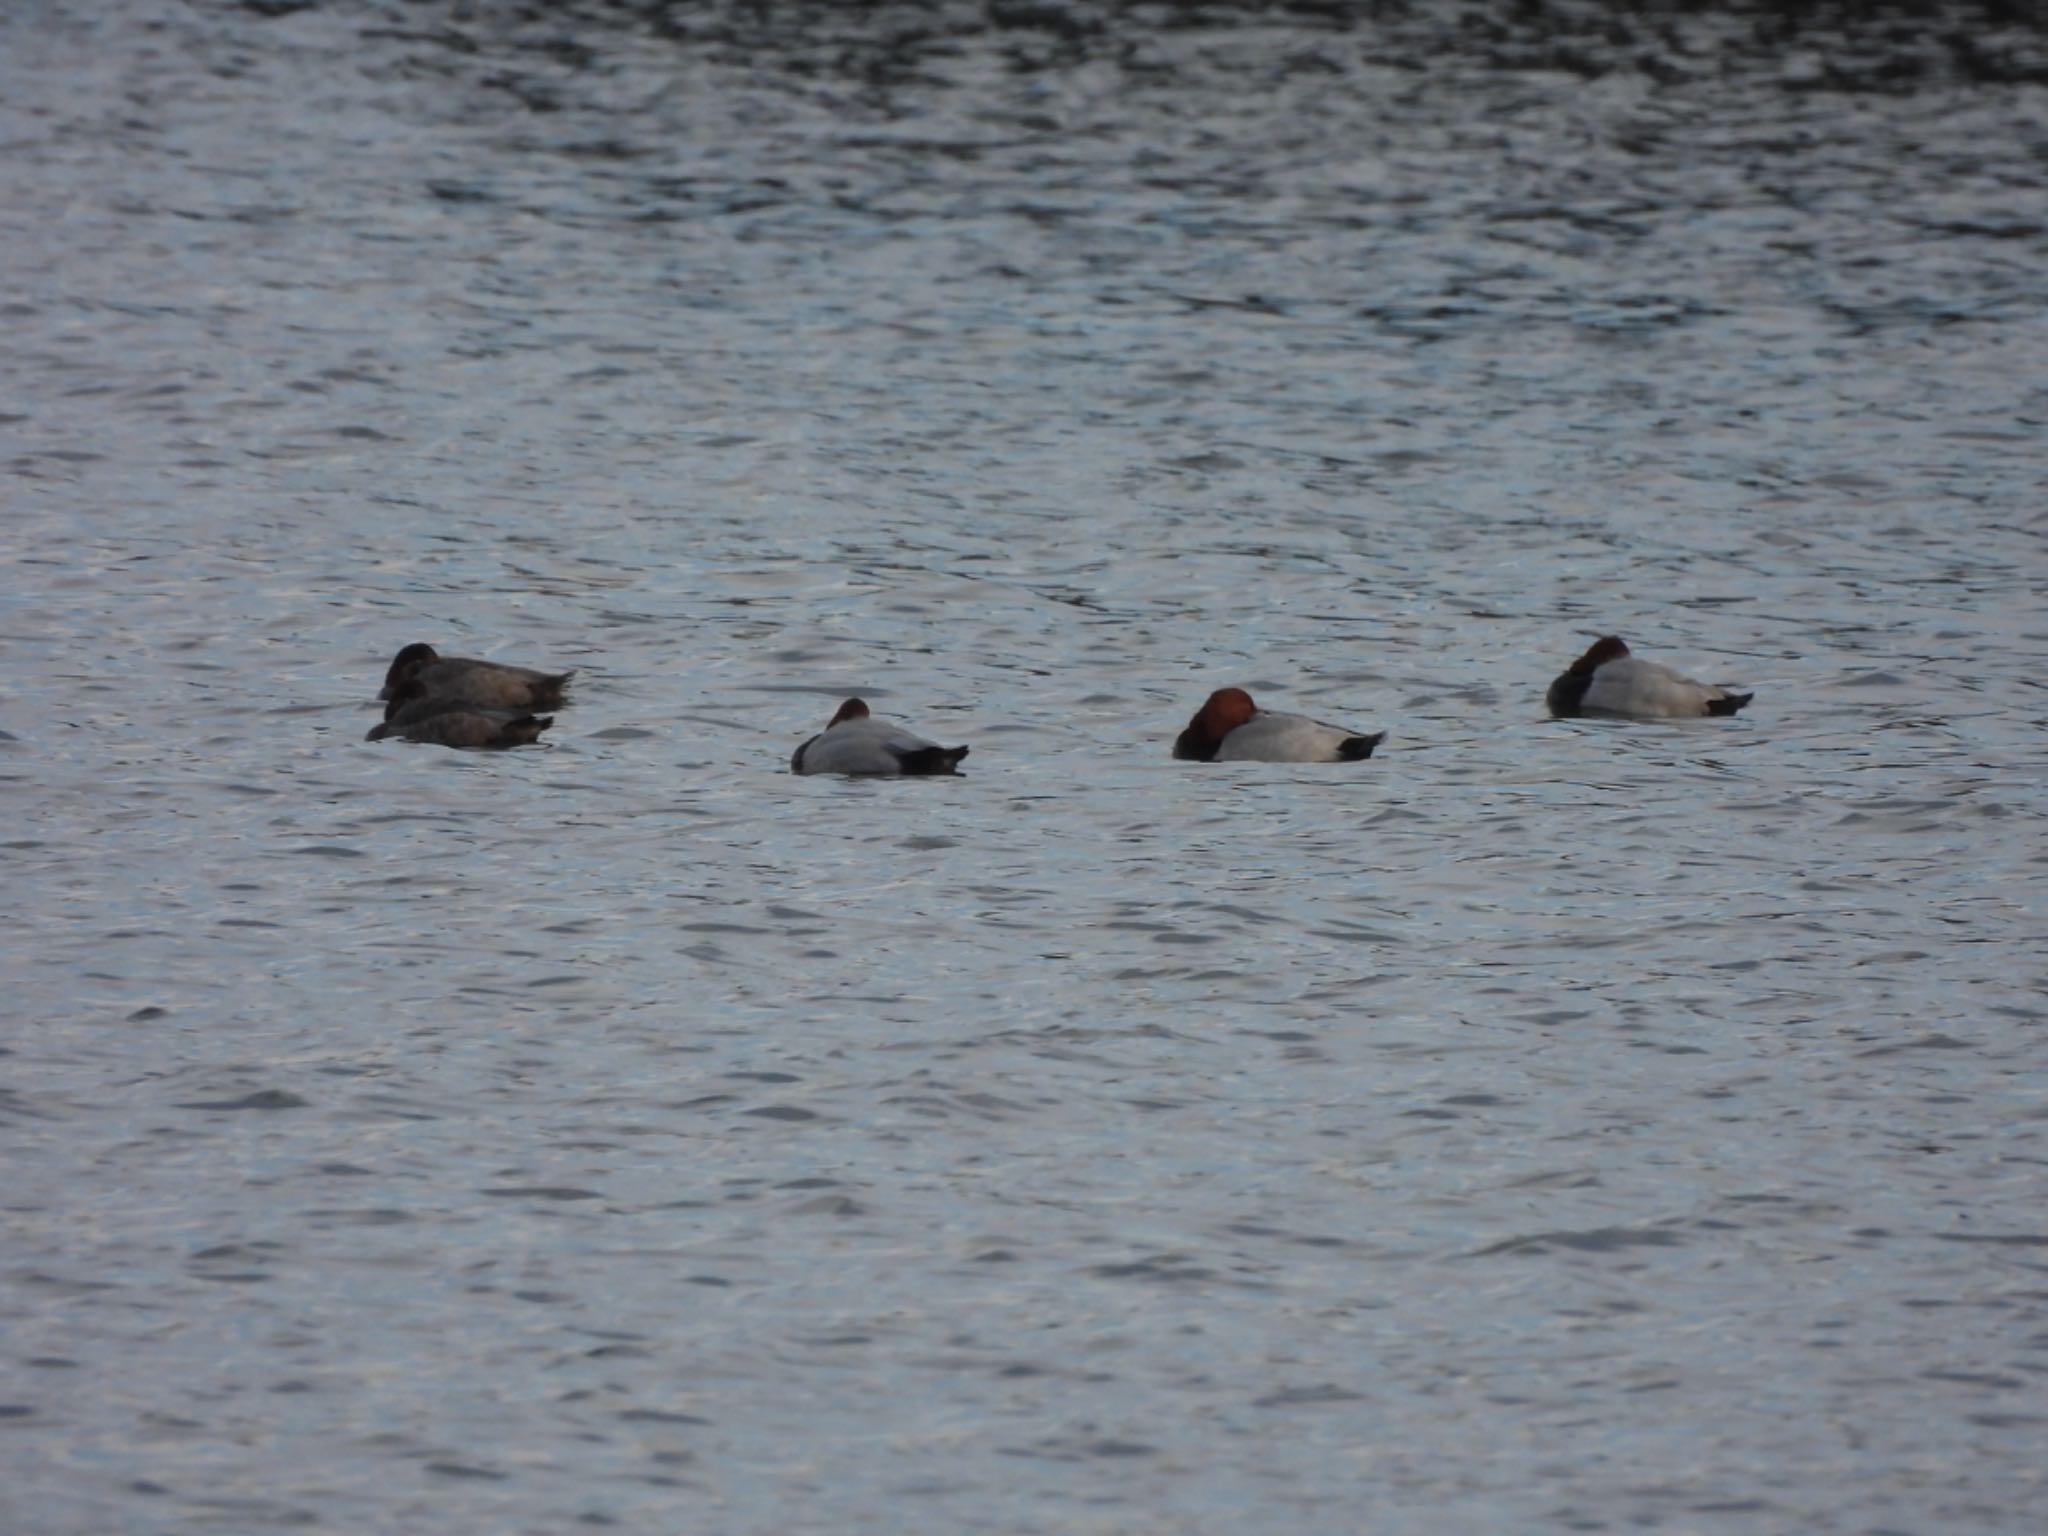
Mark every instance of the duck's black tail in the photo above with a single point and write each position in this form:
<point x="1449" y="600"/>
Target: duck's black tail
<point x="1728" y="703"/>
<point x="1354" y="749"/>
<point x="931" y="759"/>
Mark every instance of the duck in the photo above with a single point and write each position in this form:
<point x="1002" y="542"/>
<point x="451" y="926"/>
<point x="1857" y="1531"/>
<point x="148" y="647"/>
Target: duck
<point x="855" y="742"/>
<point x="487" y="684"/>
<point x="415" y="715"/>
<point x="1608" y="680"/>
<point x="1231" y="728"/>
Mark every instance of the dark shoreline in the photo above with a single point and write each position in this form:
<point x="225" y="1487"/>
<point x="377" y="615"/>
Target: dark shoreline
<point x="1854" y="46"/>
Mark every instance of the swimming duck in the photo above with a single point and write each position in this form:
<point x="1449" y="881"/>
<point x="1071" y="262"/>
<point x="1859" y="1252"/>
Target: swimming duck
<point x="855" y="742"/>
<point x="1231" y="728"/>
<point x="1607" y="680"/>
<point x="415" y="715"/>
<point x="487" y="684"/>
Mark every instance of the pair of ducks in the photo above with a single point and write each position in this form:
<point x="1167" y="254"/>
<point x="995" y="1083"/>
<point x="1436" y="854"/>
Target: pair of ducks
<point x="461" y="703"/>
<point x="1229" y="727"/>
<point x="452" y="701"/>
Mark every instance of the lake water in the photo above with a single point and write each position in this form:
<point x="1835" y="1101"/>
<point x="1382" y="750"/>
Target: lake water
<point x="1543" y="1126"/>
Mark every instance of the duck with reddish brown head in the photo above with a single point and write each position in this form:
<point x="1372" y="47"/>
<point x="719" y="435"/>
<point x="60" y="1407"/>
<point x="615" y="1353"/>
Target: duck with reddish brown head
<point x="1229" y="727"/>
<point x="485" y="684"/>
<point x="854" y="742"/>
<point x="1609" y="680"/>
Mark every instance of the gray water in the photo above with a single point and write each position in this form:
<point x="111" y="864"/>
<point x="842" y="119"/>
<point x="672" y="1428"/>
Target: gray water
<point x="1544" y="1126"/>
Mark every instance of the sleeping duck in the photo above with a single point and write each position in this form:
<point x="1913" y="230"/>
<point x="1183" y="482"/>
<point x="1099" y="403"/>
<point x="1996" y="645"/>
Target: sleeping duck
<point x="1607" y="680"/>
<point x="488" y="684"/>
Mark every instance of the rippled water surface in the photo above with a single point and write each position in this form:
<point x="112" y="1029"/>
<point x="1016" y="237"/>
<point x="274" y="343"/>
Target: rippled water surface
<point x="1546" y="1125"/>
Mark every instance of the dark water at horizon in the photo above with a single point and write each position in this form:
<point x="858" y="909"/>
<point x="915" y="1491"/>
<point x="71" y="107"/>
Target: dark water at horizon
<point x="1546" y="1125"/>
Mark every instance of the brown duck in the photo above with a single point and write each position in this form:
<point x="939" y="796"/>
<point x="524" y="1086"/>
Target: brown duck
<point x="415" y="715"/>
<point x="484" y="684"/>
